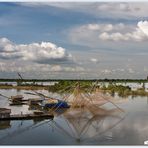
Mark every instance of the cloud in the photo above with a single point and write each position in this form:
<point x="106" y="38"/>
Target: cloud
<point x="130" y="70"/>
<point x="6" y="45"/>
<point x="118" y="71"/>
<point x="110" y="32"/>
<point x="127" y="10"/>
<point x="104" y="27"/>
<point x="44" y="52"/>
<point x="137" y="35"/>
<point x="56" y="68"/>
<point x="119" y="10"/>
<point x="106" y="71"/>
<point x="40" y="59"/>
<point x="140" y="34"/>
<point x="114" y="7"/>
<point x="14" y="66"/>
<point x="74" y="69"/>
<point x="88" y="33"/>
<point x="143" y="26"/>
<point x="94" y="60"/>
<point x="101" y="27"/>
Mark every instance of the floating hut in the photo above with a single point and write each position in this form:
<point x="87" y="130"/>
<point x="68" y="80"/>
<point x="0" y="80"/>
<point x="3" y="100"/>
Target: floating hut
<point x="34" y="101"/>
<point x="17" y="98"/>
<point x="4" y="112"/>
<point x="35" y="107"/>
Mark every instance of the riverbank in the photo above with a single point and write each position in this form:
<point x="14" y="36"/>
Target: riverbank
<point x="29" y="87"/>
<point x="85" y="85"/>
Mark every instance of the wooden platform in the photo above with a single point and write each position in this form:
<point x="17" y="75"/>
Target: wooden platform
<point x="27" y="117"/>
<point x="17" y="104"/>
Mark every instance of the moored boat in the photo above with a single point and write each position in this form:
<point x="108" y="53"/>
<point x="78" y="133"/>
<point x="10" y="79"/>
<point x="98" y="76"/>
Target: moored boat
<point x="54" y="104"/>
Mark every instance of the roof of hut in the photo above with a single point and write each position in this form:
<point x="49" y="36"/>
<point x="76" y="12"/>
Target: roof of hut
<point x="17" y="97"/>
<point x="4" y="110"/>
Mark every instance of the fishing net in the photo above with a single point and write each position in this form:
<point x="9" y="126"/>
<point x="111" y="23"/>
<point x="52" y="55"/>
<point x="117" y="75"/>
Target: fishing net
<point x="91" y="102"/>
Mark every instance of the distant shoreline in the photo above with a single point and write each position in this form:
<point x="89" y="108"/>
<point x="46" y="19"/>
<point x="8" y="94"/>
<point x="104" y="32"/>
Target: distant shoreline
<point x="24" y="87"/>
<point x="86" y="85"/>
<point x="92" y="80"/>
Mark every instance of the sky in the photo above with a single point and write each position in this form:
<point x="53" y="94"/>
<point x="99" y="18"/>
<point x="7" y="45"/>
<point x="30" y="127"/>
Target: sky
<point x="77" y="40"/>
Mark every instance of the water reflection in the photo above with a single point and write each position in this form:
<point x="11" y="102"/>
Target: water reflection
<point x="4" y="125"/>
<point x="79" y="124"/>
<point x="108" y="126"/>
<point x="83" y="126"/>
<point x="21" y="128"/>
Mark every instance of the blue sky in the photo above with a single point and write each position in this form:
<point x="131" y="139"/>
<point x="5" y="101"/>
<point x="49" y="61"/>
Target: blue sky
<point x="74" y="40"/>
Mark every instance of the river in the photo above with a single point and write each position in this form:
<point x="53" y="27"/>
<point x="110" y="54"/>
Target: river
<point x="127" y="128"/>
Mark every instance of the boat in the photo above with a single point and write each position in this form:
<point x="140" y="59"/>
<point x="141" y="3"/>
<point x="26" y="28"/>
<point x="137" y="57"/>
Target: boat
<point x="51" y="103"/>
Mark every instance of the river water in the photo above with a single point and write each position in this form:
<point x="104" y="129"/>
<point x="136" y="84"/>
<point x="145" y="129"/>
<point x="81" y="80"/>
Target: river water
<point x="127" y="128"/>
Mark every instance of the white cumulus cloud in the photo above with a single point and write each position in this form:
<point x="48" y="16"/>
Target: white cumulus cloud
<point x="101" y="27"/>
<point x="143" y="25"/>
<point x="114" y="7"/>
<point x="110" y="32"/>
<point x="94" y="60"/>
<point x="44" y="52"/>
<point x="139" y="34"/>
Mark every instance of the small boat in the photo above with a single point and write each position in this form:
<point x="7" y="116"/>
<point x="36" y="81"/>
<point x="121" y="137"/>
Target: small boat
<point x="54" y="104"/>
